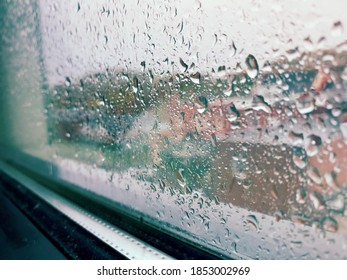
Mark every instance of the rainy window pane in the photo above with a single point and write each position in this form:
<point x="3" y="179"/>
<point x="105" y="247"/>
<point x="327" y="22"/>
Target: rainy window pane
<point x="222" y="122"/>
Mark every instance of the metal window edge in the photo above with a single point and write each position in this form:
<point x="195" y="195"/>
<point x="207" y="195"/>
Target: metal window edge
<point x="121" y="241"/>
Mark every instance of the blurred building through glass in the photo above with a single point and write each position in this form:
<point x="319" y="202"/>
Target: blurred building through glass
<point x="223" y="122"/>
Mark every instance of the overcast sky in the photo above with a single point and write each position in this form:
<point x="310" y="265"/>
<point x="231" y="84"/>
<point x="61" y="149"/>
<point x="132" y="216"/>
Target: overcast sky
<point x="81" y="37"/>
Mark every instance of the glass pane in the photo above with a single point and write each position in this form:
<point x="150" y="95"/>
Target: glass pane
<point x="222" y="122"/>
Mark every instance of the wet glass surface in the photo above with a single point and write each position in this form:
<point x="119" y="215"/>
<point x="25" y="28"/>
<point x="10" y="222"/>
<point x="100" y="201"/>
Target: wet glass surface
<point x="224" y="123"/>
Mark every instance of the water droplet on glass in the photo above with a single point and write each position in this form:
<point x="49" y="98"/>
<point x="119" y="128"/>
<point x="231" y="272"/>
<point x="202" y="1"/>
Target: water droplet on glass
<point x="337" y="28"/>
<point x="201" y="104"/>
<point x="292" y="54"/>
<point x="207" y="226"/>
<point x="300" y="159"/>
<point x="67" y="81"/>
<point x="259" y="104"/>
<point x="305" y="104"/>
<point x="314" y="175"/>
<point x="188" y="189"/>
<point x="312" y="145"/>
<point x="153" y="187"/>
<point x="330" y="179"/>
<point x="308" y="44"/>
<point x="252" y="221"/>
<point x="295" y="138"/>
<point x="161" y="184"/>
<point x="143" y="66"/>
<point x="227" y="92"/>
<point x="234" y="247"/>
<point x="247" y="184"/>
<point x="232" y="50"/>
<point x="336" y="112"/>
<point x="297" y="244"/>
<point x="278" y="215"/>
<point x="200" y="202"/>
<point x="300" y="196"/>
<point x="180" y="26"/>
<point x="221" y="71"/>
<point x="180" y="178"/>
<point x="232" y="113"/>
<point x="135" y="84"/>
<point x="337" y="204"/>
<point x="252" y="66"/>
<point x="196" y="78"/>
<point x="317" y="201"/>
<point x="184" y="66"/>
<point x="330" y="224"/>
<point x="214" y="140"/>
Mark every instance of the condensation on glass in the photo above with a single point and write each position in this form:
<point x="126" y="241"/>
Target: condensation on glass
<point x="223" y="122"/>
